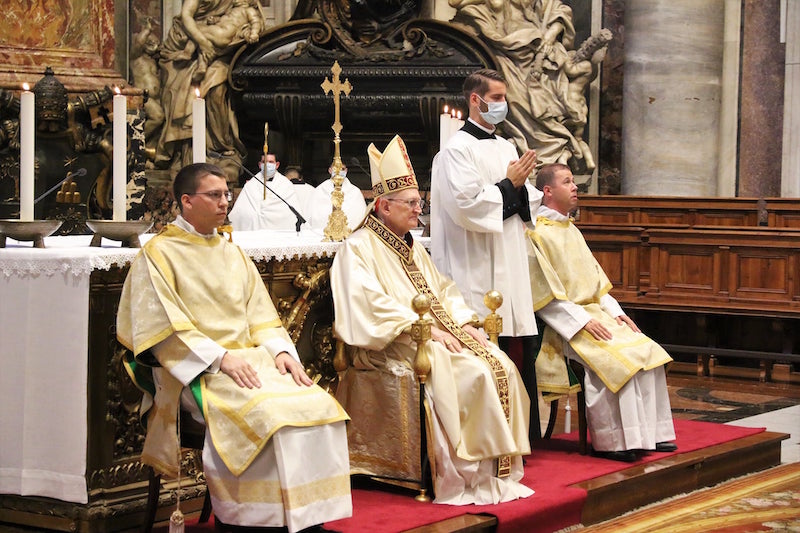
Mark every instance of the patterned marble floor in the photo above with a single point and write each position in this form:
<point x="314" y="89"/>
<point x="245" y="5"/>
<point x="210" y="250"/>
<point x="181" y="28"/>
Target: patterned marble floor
<point x="731" y="396"/>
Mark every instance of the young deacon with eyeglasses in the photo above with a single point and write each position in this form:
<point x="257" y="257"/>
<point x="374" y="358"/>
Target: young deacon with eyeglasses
<point x="201" y="325"/>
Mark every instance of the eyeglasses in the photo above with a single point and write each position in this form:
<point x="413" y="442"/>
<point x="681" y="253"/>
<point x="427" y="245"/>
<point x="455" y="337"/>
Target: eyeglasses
<point x="410" y="203"/>
<point x="215" y="196"/>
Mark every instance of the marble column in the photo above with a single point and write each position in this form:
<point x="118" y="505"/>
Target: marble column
<point x="790" y="170"/>
<point x="671" y="96"/>
<point x="761" y="100"/>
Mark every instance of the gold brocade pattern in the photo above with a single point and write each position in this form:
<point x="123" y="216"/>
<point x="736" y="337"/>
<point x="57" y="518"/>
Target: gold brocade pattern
<point x="404" y="251"/>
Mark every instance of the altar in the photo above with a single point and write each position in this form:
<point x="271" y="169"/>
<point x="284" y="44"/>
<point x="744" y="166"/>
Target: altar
<point x="71" y="437"/>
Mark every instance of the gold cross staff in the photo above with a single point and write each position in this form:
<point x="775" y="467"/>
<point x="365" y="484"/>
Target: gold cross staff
<point x="337" y="229"/>
<point x="337" y="88"/>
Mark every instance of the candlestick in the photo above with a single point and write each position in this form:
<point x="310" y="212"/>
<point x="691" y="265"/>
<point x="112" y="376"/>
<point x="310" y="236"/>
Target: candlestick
<point x="120" y="159"/>
<point x="444" y="127"/>
<point x="27" y="130"/>
<point x="198" y="128"/>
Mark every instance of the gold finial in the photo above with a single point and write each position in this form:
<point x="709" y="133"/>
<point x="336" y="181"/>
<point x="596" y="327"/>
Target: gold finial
<point x="337" y="229"/>
<point x="493" y="323"/>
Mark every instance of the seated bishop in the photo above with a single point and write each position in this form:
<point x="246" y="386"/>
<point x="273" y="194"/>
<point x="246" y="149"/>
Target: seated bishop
<point x="205" y="336"/>
<point x="257" y="207"/>
<point x="320" y="204"/>
<point x="480" y="409"/>
<point x="627" y="401"/>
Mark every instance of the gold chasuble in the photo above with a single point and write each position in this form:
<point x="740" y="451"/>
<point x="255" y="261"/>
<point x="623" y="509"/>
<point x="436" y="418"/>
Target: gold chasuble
<point x="187" y="292"/>
<point x="563" y="268"/>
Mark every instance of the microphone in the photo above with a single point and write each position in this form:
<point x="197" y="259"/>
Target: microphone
<point x="79" y="172"/>
<point x="300" y="219"/>
<point x="354" y="161"/>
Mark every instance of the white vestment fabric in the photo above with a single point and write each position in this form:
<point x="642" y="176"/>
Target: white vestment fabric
<point x="319" y="206"/>
<point x="372" y="294"/>
<point x="636" y="417"/>
<point x="304" y="192"/>
<point x="251" y="211"/>
<point x="470" y="241"/>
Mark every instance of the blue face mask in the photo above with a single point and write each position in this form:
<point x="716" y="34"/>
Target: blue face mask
<point x="496" y="113"/>
<point x="269" y="170"/>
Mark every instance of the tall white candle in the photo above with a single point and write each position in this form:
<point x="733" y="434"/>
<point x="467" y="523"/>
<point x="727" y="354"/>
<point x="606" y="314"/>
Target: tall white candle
<point x="453" y="123"/>
<point x="444" y="127"/>
<point x="27" y="130"/>
<point x="120" y="160"/>
<point x="198" y="128"/>
<point x="459" y="123"/>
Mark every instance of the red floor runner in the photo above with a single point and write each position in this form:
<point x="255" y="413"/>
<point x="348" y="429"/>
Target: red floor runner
<point x="553" y="466"/>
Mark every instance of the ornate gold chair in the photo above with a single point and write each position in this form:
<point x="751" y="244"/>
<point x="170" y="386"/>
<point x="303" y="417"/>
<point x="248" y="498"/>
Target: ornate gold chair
<point x="393" y="445"/>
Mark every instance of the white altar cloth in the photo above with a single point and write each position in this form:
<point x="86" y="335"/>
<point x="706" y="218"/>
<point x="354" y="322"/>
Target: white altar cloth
<point x="44" y="321"/>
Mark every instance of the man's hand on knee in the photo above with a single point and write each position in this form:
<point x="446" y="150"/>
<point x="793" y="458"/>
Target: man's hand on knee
<point x="286" y="363"/>
<point x="239" y="371"/>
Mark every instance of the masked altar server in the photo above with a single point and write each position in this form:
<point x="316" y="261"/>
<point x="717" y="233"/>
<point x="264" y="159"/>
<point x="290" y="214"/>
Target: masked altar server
<point x="256" y="209"/>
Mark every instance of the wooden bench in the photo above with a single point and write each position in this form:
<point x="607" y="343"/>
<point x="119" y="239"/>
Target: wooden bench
<point x="700" y="211"/>
<point x="708" y="290"/>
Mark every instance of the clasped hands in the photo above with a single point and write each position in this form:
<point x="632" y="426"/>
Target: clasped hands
<point x="519" y="170"/>
<point x="454" y="345"/>
<point x="245" y="375"/>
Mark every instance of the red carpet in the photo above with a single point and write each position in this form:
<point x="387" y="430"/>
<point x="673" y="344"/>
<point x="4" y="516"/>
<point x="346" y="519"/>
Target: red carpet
<point x="554" y="465"/>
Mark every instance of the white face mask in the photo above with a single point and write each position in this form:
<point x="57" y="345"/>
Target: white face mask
<point x="270" y="169"/>
<point x="343" y="173"/>
<point x="496" y="113"/>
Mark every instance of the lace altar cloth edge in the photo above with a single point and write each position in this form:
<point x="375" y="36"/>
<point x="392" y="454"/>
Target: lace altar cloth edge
<point x="72" y="255"/>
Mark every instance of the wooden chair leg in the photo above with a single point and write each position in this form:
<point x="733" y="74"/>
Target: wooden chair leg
<point x="551" y="422"/>
<point x="153" y="491"/>
<point x="583" y="447"/>
<point x="205" y="514"/>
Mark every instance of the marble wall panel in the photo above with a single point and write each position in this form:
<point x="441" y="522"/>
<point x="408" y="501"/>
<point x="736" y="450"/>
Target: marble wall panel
<point x="75" y="37"/>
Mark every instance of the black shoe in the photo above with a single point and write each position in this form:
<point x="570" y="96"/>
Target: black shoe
<point x="666" y="447"/>
<point x="626" y="456"/>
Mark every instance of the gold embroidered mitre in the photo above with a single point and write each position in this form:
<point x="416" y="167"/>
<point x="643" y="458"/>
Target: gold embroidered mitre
<point x="391" y="170"/>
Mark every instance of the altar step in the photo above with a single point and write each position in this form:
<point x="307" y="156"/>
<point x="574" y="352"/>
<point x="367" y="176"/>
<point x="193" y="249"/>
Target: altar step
<point x="617" y="493"/>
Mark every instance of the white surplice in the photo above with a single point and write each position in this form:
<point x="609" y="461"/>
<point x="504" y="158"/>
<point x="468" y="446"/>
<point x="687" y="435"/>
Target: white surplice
<point x="470" y="241"/>
<point x="319" y="206"/>
<point x="251" y="211"/>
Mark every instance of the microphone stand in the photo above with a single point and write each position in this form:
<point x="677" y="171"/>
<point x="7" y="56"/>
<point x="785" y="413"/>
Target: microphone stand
<point x="300" y="219"/>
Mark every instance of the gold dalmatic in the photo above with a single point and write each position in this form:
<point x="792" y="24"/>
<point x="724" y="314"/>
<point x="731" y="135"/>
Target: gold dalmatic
<point x="404" y="251"/>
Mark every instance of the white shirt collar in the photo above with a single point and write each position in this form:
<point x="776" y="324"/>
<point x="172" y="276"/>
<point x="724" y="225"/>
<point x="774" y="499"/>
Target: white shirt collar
<point x="550" y="213"/>
<point x="487" y="130"/>
<point x="185" y="226"/>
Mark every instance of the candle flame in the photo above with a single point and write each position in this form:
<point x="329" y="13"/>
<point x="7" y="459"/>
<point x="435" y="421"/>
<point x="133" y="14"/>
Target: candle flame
<point x="116" y="90"/>
<point x="458" y="115"/>
<point x="453" y="113"/>
<point x="26" y="87"/>
<point x="197" y="92"/>
<point x="446" y="109"/>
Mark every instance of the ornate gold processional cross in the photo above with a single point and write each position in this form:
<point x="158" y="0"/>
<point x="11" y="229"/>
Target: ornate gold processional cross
<point x="337" y="229"/>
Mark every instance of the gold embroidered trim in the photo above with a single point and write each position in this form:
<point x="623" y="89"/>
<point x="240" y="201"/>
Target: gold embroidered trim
<point x="397" y="245"/>
<point x="395" y="184"/>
